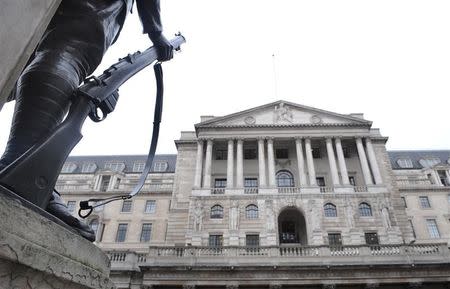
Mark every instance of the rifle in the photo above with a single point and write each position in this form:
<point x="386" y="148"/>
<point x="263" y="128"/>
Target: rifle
<point x="33" y="175"/>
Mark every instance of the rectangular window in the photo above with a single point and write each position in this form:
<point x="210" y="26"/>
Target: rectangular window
<point x="317" y="154"/>
<point x="352" y="181"/>
<point x="104" y="183"/>
<point x="424" y="202"/>
<point x="71" y="206"/>
<point x="160" y="166"/>
<point x="443" y="177"/>
<point x="320" y="181"/>
<point x="412" y="228"/>
<point x="252" y="240"/>
<point x="250" y="185"/>
<point x="146" y="232"/>
<point x="371" y="238"/>
<point x="250" y="154"/>
<point x="404" y="202"/>
<point x="433" y="230"/>
<point x="215" y="241"/>
<point x="138" y="167"/>
<point x="220" y="183"/>
<point x="126" y="206"/>
<point x="282" y="153"/>
<point x="221" y="154"/>
<point x="117" y="184"/>
<point x="121" y="233"/>
<point x="115" y="166"/>
<point x="150" y="206"/>
<point x="334" y="239"/>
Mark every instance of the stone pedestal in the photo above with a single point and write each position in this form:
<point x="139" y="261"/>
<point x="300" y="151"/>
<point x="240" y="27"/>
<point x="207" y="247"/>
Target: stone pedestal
<point x="317" y="238"/>
<point x="234" y="238"/>
<point x="37" y="253"/>
<point x="356" y="237"/>
<point x="271" y="239"/>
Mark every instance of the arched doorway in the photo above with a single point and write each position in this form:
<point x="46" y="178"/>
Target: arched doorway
<point x="292" y="227"/>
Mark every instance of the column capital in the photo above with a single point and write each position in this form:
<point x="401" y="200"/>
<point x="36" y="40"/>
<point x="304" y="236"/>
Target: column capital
<point x="231" y="140"/>
<point x="298" y="137"/>
<point x="240" y="140"/>
<point x="261" y="138"/>
<point x="270" y="140"/>
<point x="329" y="138"/>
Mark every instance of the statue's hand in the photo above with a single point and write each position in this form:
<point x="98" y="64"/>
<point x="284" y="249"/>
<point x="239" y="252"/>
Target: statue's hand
<point x="163" y="46"/>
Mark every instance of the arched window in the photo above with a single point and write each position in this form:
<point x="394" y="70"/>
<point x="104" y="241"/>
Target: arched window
<point x="216" y="212"/>
<point x="251" y="211"/>
<point x="94" y="225"/>
<point x="330" y="210"/>
<point x="365" y="210"/>
<point x="285" y="179"/>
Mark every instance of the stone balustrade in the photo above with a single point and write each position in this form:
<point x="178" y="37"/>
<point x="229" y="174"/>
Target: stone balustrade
<point x="122" y="187"/>
<point x="284" y="255"/>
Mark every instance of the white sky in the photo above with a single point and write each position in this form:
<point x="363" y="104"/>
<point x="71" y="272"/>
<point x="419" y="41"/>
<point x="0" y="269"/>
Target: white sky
<point x="387" y="59"/>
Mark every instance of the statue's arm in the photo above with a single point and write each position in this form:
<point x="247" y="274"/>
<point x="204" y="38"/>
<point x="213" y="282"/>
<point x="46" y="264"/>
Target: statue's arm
<point x="149" y="13"/>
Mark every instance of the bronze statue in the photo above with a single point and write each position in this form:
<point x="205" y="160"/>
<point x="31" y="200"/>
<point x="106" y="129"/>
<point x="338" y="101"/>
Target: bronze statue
<point x="71" y="49"/>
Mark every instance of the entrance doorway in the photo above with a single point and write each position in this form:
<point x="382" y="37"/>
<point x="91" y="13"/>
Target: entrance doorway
<point x="292" y="227"/>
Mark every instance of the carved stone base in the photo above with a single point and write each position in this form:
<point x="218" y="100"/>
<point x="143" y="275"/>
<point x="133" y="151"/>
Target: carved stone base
<point x="37" y="253"/>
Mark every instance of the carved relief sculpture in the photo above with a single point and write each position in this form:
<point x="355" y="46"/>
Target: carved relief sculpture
<point x="283" y="113"/>
<point x="234" y="215"/>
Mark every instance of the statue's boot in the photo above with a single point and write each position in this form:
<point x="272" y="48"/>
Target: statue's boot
<point x="58" y="208"/>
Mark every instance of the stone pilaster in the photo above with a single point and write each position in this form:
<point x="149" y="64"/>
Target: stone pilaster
<point x="363" y="162"/>
<point x="332" y="162"/>
<point x="271" y="163"/>
<point x="300" y="162"/>
<point x="310" y="163"/>
<point x="199" y="165"/>
<point x="341" y="162"/>
<point x="230" y="164"/>
<point x="208" y="164"/>
<point x="261" y="164"/>
<point x="373" y="162"/>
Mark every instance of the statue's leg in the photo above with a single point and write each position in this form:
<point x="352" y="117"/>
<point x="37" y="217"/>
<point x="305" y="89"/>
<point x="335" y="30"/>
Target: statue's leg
<point x="70" y="50"/>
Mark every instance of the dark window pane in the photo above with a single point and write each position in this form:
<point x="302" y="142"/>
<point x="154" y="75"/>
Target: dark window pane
<point x="252" y="240"/>
<point x="150" y="206"/>
<point x="316" y="153"/>
<point x="216" y="212"/>
<point x="424" y="202"/>
<point x="330" y="210"/>
<point x="126" y="206"/>
<point x="121" y="232"/>
<point x="146" y="232"/>
<point x="220" y="183"/>
<point x="250" y="154"/>
<point x="105" y="183"/>
<point x="215" y="241"/>
<point x="251" y="212"/>
<point x="371" y="238"/>
<point x="221" y="154"/>
<point x="334" y="239"/>
<point x="365" y="210"/>
<point x="320" y="181"/>
<point x="282" y="153"/>
<point x="352" y="181"/>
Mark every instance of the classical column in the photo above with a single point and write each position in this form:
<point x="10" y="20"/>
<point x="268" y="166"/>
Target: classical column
<point x="363" y="161"/>
<point x="240" y="164"/>
<point x="300" y="162"/>
<point x="230" y="164"/>
<point x="271" y="163"/>
<point x="261" y="163"/>
<point x="310" y="163"/>
<point x="332" y="162"/>
<point x="341" y="162"/>
<point x="198" y="165"/>
<point x="208" y="164"/>
<point x="373" y="162"/>
<point x="447" y="174"/>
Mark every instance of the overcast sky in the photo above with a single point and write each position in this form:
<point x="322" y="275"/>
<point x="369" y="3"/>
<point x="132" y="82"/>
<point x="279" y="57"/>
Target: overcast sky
<point x="387" y="59"/>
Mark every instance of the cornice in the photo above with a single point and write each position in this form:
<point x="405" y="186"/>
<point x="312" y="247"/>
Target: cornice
<point x="321" y="125"/>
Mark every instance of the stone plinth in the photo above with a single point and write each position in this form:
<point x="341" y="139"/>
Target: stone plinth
<point x="37" y="253"/>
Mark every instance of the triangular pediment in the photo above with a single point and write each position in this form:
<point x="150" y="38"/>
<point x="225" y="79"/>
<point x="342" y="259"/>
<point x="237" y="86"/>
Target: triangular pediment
<point x="283" y="113"/>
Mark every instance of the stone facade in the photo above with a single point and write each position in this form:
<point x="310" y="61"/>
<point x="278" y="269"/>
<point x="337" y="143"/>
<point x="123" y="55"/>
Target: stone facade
<point x="262" y="196"/>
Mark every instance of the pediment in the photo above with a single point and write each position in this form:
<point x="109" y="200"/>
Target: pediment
<point x="283" y="113"/>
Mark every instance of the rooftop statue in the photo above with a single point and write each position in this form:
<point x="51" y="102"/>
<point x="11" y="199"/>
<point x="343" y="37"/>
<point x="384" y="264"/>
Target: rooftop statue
<point x="71" y="48"/>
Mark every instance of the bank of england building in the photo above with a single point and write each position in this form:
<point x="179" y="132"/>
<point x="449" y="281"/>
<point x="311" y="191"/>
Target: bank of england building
<point x="277" y="196"/>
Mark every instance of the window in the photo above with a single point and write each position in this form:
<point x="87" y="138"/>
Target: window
<point x="285" y="179"/>
<point x="250" y="185"/>
<point x="282" y="153"/>
<point x="252" y="240"/>
<point x="334" y="239"/>
<point x="117" y="184"/>
<point x="330" y="210"/>
<point x="121" y="233"/>
<point x="221" y="154"/>
<point x="424" y="202"/>
<point x="71" y="206"/>
<point x="220" y="183"/>
<point x="412" y="228"/>
<point x="216" y="212"/>
<point x="115" y="166"/>
<point x="138" y="167"/>
<point x="404" y="202"/>
<point x="429" y="162"/>
<point x="405" y="163"/>
<point x="126" y="206"/>
<point x="443" y="177"/>
<point x="371" y="238"/>
<point x="68" y="168"/>
<point x="150" y="206"/>
<point x="88" y="168"/>
<point x="346" y="152"/>
<point x="160" y="166"/>
<point x="104" y="183"/>
<point x="251" y="212"/>
<point x="94" y="226"/>
<point x="317" y="154"/>
<point x="433" y="229"/>
<point x="365" y="210"/>
<point x="250" y="153"/>
<point x="215" y="240"/>
<point x="146" y="232"/>
<point x="320" y="181"/>
<point x="351" y="180"/>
